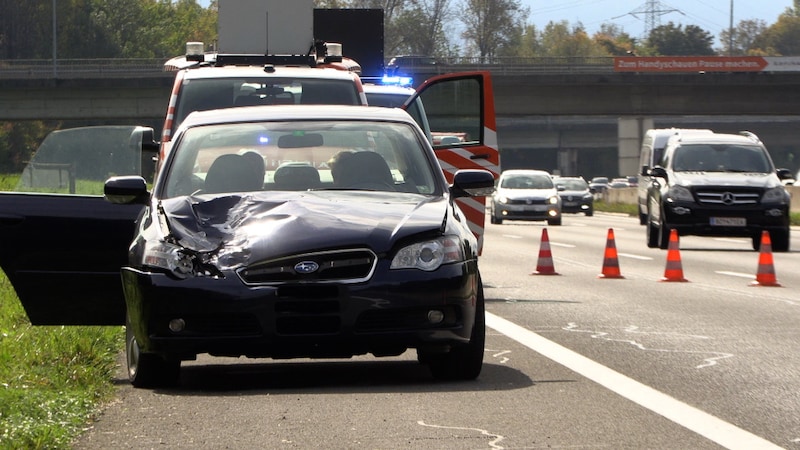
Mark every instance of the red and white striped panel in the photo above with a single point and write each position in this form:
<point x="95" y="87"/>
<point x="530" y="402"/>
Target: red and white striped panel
<point x="482" y="157"/>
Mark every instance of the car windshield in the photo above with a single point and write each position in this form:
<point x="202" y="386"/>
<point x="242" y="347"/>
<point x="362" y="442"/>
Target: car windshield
<point x="573" y="185"/>
<point x="204" y="94"/>
<point x="527" y="182"/>
<point x="299" y="155"/>
<point x="720" y="158"/>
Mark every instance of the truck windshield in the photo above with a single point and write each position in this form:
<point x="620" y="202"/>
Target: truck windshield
<point x="218" y="93"/>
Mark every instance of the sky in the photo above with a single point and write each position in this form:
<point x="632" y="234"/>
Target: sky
<point x="710" y="15"/>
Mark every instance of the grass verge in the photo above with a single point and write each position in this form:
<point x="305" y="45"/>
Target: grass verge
<point x="52" y="378"/>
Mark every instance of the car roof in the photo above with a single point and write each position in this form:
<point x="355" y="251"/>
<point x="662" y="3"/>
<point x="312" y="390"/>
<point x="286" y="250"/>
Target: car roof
<point x="525" y="172"/>
<point x="713" y="138"/>
<point x="296" y="112"/>
<point x="370" y="88"/>
<point x="211" y="72"/>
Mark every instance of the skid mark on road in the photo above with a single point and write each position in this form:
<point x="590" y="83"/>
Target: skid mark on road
<point x="633" y="329"/>
<point x="499" y="354"/>
<point x="687" y="416"/>
<point x="493" y="443"/>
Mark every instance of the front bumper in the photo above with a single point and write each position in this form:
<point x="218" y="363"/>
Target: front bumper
<point x="576" y="204"/>
<point x="224" y="317"/>
<point x="693" y="219"/>
<point x="526" y="212"/>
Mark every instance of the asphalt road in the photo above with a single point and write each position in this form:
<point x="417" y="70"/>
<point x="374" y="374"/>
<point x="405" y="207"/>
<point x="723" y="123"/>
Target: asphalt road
<point x="572" y="361"/>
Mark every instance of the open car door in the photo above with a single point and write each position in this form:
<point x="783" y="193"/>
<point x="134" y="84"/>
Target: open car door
<point x="457" y="112"/>
<point x="61" y="244"/>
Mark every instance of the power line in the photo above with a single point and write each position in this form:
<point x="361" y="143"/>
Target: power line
<point x="652" y="11"/>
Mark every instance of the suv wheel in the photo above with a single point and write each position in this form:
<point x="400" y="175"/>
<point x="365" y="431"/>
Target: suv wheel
<point x="652" y="234"/>
<point x="780" y="240"/>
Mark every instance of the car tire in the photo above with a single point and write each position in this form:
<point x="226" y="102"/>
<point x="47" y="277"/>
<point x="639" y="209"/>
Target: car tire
<point x="652" y="234"/>
<point x="779" y="239"/>
<point x="589" y="212"/>
<point x="463" y="362"/>
<point x="642" y="217"/>
<point x="663" y="236"/>
<point x="148" y="370"/>
<point x="496" y="220"/>
<point x="554" y="222"/>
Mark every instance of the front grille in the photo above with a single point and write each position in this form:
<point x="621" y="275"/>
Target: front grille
<point x="728" y="197"/>
<point x="527" y="201"/>
<point x="343" y="266"/>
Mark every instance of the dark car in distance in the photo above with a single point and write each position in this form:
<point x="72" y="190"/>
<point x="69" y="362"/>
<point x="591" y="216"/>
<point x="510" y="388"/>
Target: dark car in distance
<point x="575" y="195"/>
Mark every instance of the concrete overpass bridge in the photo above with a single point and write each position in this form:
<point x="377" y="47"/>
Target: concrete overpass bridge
<point x="577" y="115"/>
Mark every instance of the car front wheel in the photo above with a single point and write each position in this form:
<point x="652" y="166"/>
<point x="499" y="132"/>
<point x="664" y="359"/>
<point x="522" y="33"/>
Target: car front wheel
<point x="463" y="362"/>
<point x="148" y="370"/>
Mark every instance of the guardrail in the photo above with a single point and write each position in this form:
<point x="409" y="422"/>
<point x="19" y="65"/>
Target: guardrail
<point x="117" y="67"/>
<point x="81" y="68"/>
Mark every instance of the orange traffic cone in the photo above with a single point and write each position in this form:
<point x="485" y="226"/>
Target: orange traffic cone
<point x="545" y="264"/>
<point x="610" y="260"/>
<point x="674" y="270"/>
<point x="766" y="269"/>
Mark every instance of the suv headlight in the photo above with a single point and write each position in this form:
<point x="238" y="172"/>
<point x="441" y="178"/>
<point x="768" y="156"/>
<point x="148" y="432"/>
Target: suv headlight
<point x="169" y="257"/>
<point x="429" y="255"/>
<point x="775" y="195"/>
<point x="552" y="200"/>
<point x="679" y="193"/>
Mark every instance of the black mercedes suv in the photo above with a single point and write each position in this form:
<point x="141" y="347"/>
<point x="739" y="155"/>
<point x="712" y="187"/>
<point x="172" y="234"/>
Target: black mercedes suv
<point x="718" y="185"/>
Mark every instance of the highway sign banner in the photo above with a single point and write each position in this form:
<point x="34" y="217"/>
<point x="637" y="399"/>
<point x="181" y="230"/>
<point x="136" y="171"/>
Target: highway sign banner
<point x="664" y="64"/>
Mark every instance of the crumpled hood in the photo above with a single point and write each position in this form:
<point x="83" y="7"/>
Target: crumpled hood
<point x="755" y="180"/>
<point x="259" y="226"/>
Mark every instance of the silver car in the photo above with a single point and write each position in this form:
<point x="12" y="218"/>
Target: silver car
<point x="526" y="195"/>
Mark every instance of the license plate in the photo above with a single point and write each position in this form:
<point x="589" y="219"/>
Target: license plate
<point x="728" y="221"/>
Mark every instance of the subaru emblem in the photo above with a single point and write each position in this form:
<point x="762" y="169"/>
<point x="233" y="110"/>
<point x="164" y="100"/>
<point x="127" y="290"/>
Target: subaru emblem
<point x="306" y="267"/>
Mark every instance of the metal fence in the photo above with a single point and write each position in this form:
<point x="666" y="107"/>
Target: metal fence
<point x="110" y="68"/>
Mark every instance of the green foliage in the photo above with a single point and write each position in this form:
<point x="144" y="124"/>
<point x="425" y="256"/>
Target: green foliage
<point x="675" y="40"/>
<point x="52" y="379"/>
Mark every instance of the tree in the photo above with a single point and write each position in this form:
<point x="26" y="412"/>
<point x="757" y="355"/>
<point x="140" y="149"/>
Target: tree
<point x="491" y="24"/>
<point x="672" y="40"/>
<point x="740" y="40"/>
<point x="781" y="38"/>
<point x="420" y="29"/>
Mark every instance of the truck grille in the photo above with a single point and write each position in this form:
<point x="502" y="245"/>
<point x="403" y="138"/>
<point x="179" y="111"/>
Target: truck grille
<point x="728" y="197"/>
<point x="343" y="266"/>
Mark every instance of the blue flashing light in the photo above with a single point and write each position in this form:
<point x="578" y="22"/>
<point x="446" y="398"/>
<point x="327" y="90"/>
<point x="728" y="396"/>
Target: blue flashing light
<point x="263" y="140"/>
<point x="395" y="80"/>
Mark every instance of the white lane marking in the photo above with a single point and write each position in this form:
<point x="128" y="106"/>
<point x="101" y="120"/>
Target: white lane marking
<point x="689" y="417"/>
<point x="735" y="274"/>
<point x="512" y="236"/>
<point x="556" y="244"/>
<point x="632" y="256"/>
<point x="492" y="444"/>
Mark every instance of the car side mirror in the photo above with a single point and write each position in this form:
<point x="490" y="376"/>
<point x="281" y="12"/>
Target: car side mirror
<point x="659" y="172"/>
<point x="126" y="190"/>
<point x="784" y="174"/>
<point x="472" y="183"/>
<point x="645" y="170"/>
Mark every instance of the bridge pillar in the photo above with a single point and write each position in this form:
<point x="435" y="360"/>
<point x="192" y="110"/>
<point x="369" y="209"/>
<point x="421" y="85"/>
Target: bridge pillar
<point x="630" y="131"/>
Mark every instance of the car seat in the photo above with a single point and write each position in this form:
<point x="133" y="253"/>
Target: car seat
<point x="296" y="177"/>
<point x="365" y="170"/>
<point x="235" y="173"/>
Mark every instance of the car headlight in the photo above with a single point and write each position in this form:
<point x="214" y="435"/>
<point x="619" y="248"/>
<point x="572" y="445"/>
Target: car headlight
<point x="429" y="255"/>
<point x="502" y="199"/>
<point x="169" y="257"/>
<point x="775" y="195"/>
<point x="680" y="193"/>
<point x="553" y="200"/>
